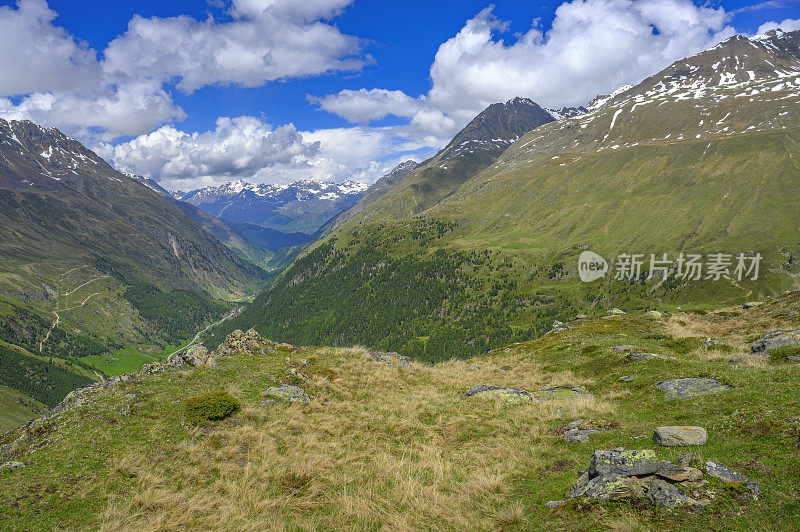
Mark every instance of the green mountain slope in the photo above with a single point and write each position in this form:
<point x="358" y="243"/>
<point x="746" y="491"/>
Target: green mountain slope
<point x="79" y="241"/>
<point x="700" y="158"/>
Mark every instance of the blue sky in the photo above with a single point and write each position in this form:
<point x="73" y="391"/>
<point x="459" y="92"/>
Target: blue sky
<point x="367" y="91"/>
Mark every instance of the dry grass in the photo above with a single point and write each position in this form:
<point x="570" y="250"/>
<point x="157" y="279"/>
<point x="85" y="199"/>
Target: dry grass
<point x="377" y="447"/>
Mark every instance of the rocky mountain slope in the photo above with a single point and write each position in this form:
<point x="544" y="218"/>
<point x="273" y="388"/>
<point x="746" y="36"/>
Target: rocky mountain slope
<point x="699" y="158"/>
<point x="304" y="206"/>
<point x="638" y="421"/>
<point x="91" y="260"/>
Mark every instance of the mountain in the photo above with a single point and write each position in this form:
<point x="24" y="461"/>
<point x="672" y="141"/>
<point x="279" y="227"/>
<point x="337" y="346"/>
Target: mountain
<point x="701" y="158"/>
<point x="92" y="261"/>
<point x="303" y="206"/>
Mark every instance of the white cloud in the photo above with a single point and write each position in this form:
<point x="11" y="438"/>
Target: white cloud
<point x="236" y="148"/>
<point x="366" y="105"/>
<point x="37" y="56"/>
<point x="58" y="81"/>
<point x="787" y="25"/>
<point x="593" y="47"/>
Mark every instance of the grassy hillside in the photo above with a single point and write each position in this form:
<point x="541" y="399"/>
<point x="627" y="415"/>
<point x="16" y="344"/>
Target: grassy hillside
<point x="381" y="446"/>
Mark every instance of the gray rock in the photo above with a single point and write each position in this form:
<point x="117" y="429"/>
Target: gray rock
<point x="623" y="348"/>
<point x="690" y="388"/>
<point x="648" y="356"/>
<point x="793" y="357"/>
<point x="774" y="340"/>
<point x="581" y="317"/>
<point x="626" y="378"/>
<point x="287" y="392"/>
<point x="678" y="436"/>
<point x="613" y="487"/>
<point x="654" y="313"/>
<point x="553" y="504"/>
<point x="686" y="459"/>
<point x="557" y="324"/>
<point x="710" y="343"/>
<point x="579" y="435"/>
<point x="665" y="495"/>
<point x="678" y="473"/>
<point x="579" y="488"/>
<point x="615" y="312"/>
<point x="11" y="466"/>
<point x="625" y="463"/>
<point x="715" y="469"/>
<point x="391" y="359"/>
<point x="510" y="395"/>
<point x="194" y="356"/>
<point x="753" y="304"/>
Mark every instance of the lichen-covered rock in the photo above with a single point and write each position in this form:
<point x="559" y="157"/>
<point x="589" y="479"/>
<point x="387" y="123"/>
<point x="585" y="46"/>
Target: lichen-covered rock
<point x="715" y="469"/>
<point x="665" y="495"/>
<point x="690" y="388"/>
<point x="287" y="392"/>
<point x="615" y="312"/>
<point x="195" y="356"/>
<point x="581" y="317"/>
<point x="578" y="432"/>
<point x="648" y="356"/>
<point x="710" y="343"/>
<point x="560" y="392"/>
<point x="752" y="304"/>
<point x="678" y="436"/>
<point x="391" y="359"/>
<point x="625" y="463"/>
<point x="509" y="395"/>
<point x="579" y="488"/>
<point x="553" y="504"/>
<point x="678" y="473"/>
<point x="297" y="373"/>
<point x="613" y="487"/>
<point x="654" y="313"/>
<point x="775" y="340"/>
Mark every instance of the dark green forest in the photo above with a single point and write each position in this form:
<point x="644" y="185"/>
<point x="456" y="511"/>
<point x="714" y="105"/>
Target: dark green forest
<point x="42" y="381"/>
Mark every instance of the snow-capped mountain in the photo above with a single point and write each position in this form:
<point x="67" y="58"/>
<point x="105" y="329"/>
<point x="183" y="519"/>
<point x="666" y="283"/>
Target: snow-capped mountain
<point x="302" y="206"/>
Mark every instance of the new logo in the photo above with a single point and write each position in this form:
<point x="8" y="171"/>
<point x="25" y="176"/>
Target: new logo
<point x="591" y="266"/>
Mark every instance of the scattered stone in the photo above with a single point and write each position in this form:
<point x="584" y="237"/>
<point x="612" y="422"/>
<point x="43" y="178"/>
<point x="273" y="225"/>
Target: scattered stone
<point x="581" y="317"/>
<point x="670" y="471"/>
<point x="615" y="312"/>
<point x="753" y="304"/>
<point x="626" y="378"/>
<point x="626" y="463"/>
<point x="473" y="367"/>
<point x="553" y="504"/>
<point x="613" y="487"/>
<point x="686" y="459"/>
<point x="793" y="357"/>
<point x="194" y="356"/>
<point x="11" y="466"/>
<point x="774" y="340"/>
<point x="648" y="356"/>
<point x="573" y="432"/>
<point x="665" y="495"/>
<point x="297" y="373"/>
<point x="391" y="359"/>
<point x="579" y="488"/>
<point x="715" y="469"/>
<point x="287" y="392"/>
<point x="654" y="313"/>
<point x="691" y="388"/>
<point x="303" y="362"/>
<point x="509" y="395"/>
<point x="557" y="324"/>
<point x="561" y="392"/>
<point x="678" y="436"/>
<point x="623" y="348"/>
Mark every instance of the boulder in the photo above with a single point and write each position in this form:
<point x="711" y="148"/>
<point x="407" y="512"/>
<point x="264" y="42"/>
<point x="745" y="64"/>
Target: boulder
<point x="581" y="317"/>
<point x="509" y="395"/>
<point x="613" y="487"/>
<point x="690" y="388"/>
<point x="577" y="432"/>
<point x="623" y="348"/>
<point x="678" y="473"/>
<point x="287" y="392"/>
<point x="665" y="495"/>
<point x="194" y="356"/>
<point x="654" y="313"/>
<point x="678" y="436"/>
<point x="710" y="343"/>
<point x="753" y="304"/>
<point x="625" y="463"/>
<point x="615" y="312"/>
<point x="391" y="359"/>
<point x="774" y="340"/>
<point x="553" y="504"/>
<point x="715" y="469"/>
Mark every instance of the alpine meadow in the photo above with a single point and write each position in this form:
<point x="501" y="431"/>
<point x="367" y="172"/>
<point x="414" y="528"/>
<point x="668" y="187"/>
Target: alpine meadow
<point x="352" y="265"/>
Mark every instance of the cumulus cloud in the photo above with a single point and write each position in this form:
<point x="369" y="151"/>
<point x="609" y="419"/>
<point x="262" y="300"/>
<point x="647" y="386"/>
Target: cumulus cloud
<point x="235" y="148"/>
<point x="592" y="47"/>
<point x="366" y="105"/>
<point x="58" y="81"/>
<point x="787" y="25"/>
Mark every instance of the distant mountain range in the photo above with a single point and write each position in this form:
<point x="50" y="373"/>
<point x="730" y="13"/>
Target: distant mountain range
<point x="303" y="206"/>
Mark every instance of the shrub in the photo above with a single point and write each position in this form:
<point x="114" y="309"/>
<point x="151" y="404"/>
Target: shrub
<point x="211" y="406"/>
<point x="683" y="346"/>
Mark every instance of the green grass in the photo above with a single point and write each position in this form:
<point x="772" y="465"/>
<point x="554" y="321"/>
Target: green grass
<point x="17" y="408"/>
